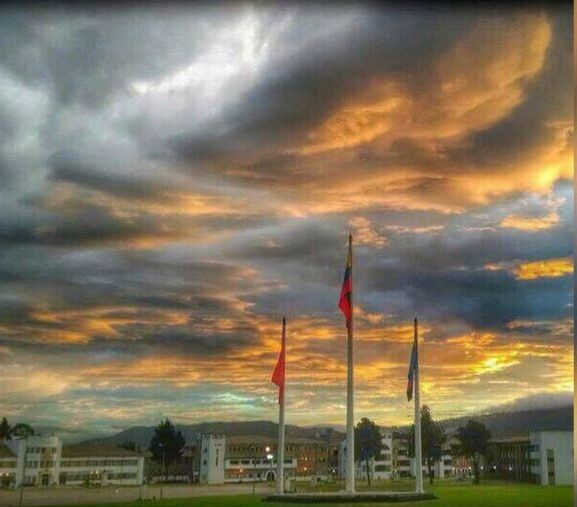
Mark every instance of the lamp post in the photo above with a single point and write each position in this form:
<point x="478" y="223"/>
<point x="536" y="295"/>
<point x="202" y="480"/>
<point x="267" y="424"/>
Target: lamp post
<point x="270" y="457"/>
<point x="163" y="468"/>
<point x="253" y="457"/>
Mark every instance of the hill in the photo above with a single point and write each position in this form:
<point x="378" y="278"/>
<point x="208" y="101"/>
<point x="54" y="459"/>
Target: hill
<point x="141" y="435"/>
<point x="500" y="424"/>
<point x="520" y="422"/>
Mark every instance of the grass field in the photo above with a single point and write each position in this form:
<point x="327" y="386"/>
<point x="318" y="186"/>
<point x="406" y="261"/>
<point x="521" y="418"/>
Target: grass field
<point x="485" y="495"/>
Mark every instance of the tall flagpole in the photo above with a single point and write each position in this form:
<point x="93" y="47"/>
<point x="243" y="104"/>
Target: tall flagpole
<point x="418" y="449"/>
<point x="281" y="430"/>
<point x="350" y="487"/>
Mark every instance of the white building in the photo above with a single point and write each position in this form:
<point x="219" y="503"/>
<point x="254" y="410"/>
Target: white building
<point x="378" y="468"/>
<point x="256" y="469"/>
<point x="551" y="457"/>
<point x="394" y="461"/>
<point x="383" y="467"/>
<point x="100" y="464"/>
<point x="44" y="461"/>
<point x="211" y="459"/>
<point x="215" y="467"/>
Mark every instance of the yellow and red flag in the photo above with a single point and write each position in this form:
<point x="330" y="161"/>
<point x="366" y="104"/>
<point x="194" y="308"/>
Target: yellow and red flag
<point x="347" y="290"/>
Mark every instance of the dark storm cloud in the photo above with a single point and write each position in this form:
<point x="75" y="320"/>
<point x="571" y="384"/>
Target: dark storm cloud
<point x="298" y="92"/>
<point x="92" y="225"/>
<point x="529" y="125"/>
<point x="483" y="300"/>
<point x="71" y="170"/>
<point x="149" y="302"/>
<point x="162" y="205"/>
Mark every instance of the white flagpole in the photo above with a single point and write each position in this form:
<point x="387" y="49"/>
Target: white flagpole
<point x="350" y="487"/>
<point x="418" y="448"/>
<point x="281" y="430"/>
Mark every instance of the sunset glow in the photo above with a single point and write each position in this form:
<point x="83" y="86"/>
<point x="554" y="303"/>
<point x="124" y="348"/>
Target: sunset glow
<point x="172" y="186"/>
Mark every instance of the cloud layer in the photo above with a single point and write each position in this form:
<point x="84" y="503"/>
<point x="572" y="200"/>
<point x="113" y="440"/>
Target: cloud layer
<point x="176" y="180"/>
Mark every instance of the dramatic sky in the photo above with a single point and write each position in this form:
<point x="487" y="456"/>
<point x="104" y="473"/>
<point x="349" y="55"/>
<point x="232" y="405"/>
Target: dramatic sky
<point x="175" y="180"/>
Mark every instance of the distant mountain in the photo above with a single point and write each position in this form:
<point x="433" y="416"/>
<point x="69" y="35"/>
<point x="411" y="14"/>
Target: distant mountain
<point x="521" y="422"/>
<point x="141" y="435"/>
<point x="500" y="424"/>
<point x="69" y="435"/>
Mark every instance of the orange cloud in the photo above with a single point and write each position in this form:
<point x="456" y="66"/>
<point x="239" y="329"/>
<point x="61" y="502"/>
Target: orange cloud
<point x="546" y="268"/>
<point x="366" y="234"/>
<point x="549" y="268"/>
<point x="475" y="84"/>
<point x="530" y="224"/>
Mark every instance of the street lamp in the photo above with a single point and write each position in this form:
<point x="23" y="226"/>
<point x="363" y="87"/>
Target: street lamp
<point x="270" y="458"/>
<point x="252" y="458"/>
<point x="163" y="468"/>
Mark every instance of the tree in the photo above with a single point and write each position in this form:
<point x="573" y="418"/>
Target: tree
<point x="21" y="430"/>
<point x="5" y="430"/>
<point x="166" y="444"/>
<point x="368" y="443"/>
<point x="433" y="436"/>
<point x="473" y="440"/>
<point x="129" y="446"/>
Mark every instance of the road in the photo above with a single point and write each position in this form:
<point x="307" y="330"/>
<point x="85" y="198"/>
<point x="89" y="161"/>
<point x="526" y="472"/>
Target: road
<point x="34" y="497"/>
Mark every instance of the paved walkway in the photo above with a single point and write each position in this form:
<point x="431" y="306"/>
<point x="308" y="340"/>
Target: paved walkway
<point x="34" y="497"/>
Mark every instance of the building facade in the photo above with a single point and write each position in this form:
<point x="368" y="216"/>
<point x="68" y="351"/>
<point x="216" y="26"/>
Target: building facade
<point x="381" y="468"/>
<point x="211" y="459"/>
<point x="551" y="457"/>
<point x="543" y="457"/>
<point x="394" y="461"/>
<point x="508" y="459"/>
<point x="44" y="461"/>
<point x="218" y="459"/>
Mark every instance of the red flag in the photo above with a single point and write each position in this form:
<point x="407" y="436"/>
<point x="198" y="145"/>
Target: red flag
<point x="278" y="374"/>
<point x="347" y="289"/>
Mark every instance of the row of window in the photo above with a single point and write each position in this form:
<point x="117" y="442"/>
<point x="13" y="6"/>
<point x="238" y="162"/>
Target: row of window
<point x="255" y="462"/>
<point x="38" y="450"/>
<point x="259" y="448"/>
<point x="98" y="462"/>
<point x="42" y="464"/>
<point x="8" y="464"/>
<point x="87" y="476"/>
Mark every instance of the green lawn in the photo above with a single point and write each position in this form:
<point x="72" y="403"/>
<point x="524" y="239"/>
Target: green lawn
<point x="449" y="495"/>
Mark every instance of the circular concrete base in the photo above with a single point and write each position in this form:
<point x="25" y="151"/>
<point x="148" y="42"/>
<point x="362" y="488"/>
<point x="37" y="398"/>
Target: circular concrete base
<point x="342" y="497"/>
